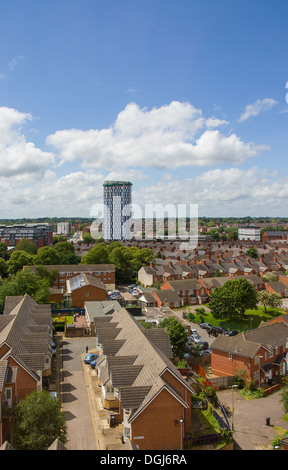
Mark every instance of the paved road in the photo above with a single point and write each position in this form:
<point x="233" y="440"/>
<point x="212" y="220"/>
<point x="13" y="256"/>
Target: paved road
<point x="250" y="429"/>
<point x="74" y="395"/>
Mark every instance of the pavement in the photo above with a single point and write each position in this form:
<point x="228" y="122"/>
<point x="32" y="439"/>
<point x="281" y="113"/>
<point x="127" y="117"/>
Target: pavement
<point x="250" y="417"/>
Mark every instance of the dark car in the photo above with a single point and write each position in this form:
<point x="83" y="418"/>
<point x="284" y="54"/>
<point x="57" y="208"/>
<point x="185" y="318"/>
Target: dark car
<point x="216" y="330"/>
<point x="205" y="326"/>
<point x="231" y="333"/>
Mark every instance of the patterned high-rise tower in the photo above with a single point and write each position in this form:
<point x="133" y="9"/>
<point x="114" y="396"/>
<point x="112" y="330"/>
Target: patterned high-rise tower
<point x="117" y="210"/>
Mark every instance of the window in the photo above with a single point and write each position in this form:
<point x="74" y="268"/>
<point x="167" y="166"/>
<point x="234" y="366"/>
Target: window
<point x="86" y="294"/>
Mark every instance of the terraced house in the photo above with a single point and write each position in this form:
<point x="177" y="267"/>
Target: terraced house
<point x="25" y="354"/>
<point x="140" y="384"/>
<point x="260" y="352"/>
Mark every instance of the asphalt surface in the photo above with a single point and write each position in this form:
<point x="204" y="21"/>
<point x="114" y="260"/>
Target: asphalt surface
<point x="74" y="395"/>
<point x="250" y="429"/>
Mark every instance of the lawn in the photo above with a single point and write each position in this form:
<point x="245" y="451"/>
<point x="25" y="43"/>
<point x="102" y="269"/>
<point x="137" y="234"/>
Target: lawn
<point x="61" y="319"/>
<point x="252" y="318"/>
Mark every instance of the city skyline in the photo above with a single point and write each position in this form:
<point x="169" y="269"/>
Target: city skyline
<point x="188" y="100"/>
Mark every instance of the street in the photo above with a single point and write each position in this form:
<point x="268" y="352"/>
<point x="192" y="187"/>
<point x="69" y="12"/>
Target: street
<point x="74" y="395"/>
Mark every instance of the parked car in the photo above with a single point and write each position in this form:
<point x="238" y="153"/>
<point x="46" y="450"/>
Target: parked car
<point x="89" y="358"/>
<point x="205" y="326"/>
<point x="53" y="394"/>
<point x="132" y="286"/>
<point x="194" y="332"/>
<point x="93" y="364"/>
<point x="195" y="339"/>
<point x="205" y="352"/>
<point x="216" y="330"/>
<point x="231" y="333"/>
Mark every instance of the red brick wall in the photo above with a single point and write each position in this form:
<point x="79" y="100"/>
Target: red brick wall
<point x="157" y="424"/>
<point x="79" y="295"/>
<point x="25" y="382"/>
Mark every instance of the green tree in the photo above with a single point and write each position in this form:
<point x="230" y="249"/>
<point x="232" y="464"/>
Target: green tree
<point x="3" y="268"/>
<point x="47" y="255"/>
<point x="3" y="251"/>
<point x="284" y="399"/>
<point x="66" y="251"/>
<point x="178" y="335"/>
<point x="25" y="282"/>
<point x="39" y="421"/>
<point x="232" y="299"/>
<point x="27" y="245"/>
<point x="252" y="252"/>
<point x="19" y="259"/>
<point x="97" y="255"/>
<point x="269" y="299"/>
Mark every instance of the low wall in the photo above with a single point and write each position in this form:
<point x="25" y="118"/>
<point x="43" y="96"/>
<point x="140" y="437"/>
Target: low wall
<point x="270" y="390"/>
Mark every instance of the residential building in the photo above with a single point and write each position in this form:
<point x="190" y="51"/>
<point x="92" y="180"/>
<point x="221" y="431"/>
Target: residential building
<point x="261" y="353"/>
<point x="146" y="392"/>
<point x="95" y="309"/>
<point x="40" y="234"/>
<point x="104" y="272"/>
<point x="168" y="298"/>
<point x="84" y="287"/>
<point x="26" y="334"/>
<point x="64" y="228"/>
<point x="274" y="235"/>
<point x="190" y="290"/>
<point x="117" y="210"/>
<point x="249" y="232"/>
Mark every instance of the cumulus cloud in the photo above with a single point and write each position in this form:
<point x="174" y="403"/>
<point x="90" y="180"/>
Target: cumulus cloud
<point x="19" y="158"/>
<point x="229" y="192"/>
<point x="256" y="108"/>
<point x="173" y="136"/>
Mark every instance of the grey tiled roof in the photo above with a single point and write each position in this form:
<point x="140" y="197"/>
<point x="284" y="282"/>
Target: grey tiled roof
<point x="247" y="344"/>
<point x="26" y="330"/>
<point x="139" y="383"/>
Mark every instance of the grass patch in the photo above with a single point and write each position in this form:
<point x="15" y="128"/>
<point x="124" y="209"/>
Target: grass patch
<point x="61" y="319"/>
<point x="251" y="319"/>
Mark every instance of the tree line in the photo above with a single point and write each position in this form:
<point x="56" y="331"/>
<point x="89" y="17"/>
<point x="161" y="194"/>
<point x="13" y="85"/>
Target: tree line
<point x="15" y="280"/>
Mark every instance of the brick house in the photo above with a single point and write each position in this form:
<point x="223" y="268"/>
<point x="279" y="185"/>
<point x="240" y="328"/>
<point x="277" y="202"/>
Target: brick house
<point x="140" y="384"/>
<point x="82" y="288"/>
<point x="168" y="298"/>
<point x="25" y="354"/>
<point x="260" y="352"/>
<point x="274" y="235"/>
<point x="104" y="272"/>
<point x="190" y="290"/>
<point x="277" y="287"/>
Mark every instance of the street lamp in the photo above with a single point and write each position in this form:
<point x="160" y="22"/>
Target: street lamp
<point x="233" y="408"/>
<point x="181" y="432"/>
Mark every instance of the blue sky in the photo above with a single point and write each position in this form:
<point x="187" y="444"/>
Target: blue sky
<point x="186" y="99"/>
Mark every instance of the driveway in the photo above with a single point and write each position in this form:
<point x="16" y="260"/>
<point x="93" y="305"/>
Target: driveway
<point x="74" y="395"/>
<point x="250" y="429"/>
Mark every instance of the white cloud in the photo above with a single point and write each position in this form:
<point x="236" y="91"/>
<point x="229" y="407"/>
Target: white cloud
<point x="171" y="136"/>
<point x="256" y="108"/>
<point x="229" y="192"/>
<point x="18" y="158"/>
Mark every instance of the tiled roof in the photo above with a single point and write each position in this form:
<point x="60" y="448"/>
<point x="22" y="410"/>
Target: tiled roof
<point x="247" y="344"/>
<point x="138" y="383"/>
<point x="26" y="330"/>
